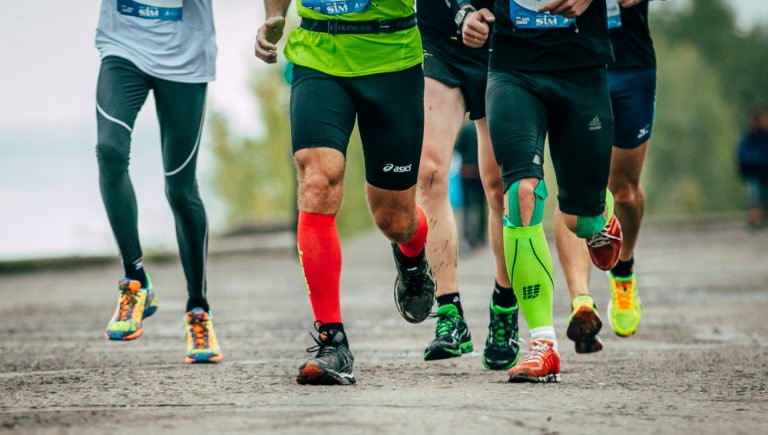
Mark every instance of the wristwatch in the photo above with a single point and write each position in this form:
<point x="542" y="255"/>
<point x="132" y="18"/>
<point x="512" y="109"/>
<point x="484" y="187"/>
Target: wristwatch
<point x="462" y="14"/>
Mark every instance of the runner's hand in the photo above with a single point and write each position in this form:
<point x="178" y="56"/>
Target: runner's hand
<point x="475" y="29"/>
<point x="267" y="37"/>
<point x="629" y="3"/>
<point x="566" y="8"/>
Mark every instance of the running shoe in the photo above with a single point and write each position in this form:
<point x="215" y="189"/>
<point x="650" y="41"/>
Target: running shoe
<point x="605" y="246"/>
<point x="584" y="324"/>
<point x="540" y="364"/>
<point x="202" y="345"/>
<point x="501" y="349"/>
<point x="452" y="337"/>
<point x="624" y="308"/>
<point x="134" y="305"/>
<point x="414" y="289"/>
<point x="331" y="365"/>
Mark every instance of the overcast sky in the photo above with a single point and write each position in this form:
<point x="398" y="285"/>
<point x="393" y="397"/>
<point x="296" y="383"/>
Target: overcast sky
<point x="49" y="64"/>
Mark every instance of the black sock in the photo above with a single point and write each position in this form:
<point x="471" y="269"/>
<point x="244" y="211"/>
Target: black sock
<point x="327" y="327"/>
<point x="453" y="299"/>
<point x="407" y="261"/>
<point x="193" y="303"/>
<point x="624" y="269"/>
<point x="503" y="297"/>
<point x="135" y="271"/>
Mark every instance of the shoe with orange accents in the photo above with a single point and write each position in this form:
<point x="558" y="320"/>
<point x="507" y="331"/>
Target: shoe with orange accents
<point x="202" y="345"/>
<point x="135" y="304"/>
<point x="604" y="247"/>
<point x="624" y="309"/>
<point x="540" y="364"/>
<point x="584" y="324"/>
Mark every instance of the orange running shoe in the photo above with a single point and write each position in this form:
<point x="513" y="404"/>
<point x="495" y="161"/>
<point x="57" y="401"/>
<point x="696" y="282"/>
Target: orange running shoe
<point x="605" y="246"/>
<point x="134" y="305"/>
<point x="202" y="345"/>
<point x="584" y="325"/>
<point x="540" y="364"/>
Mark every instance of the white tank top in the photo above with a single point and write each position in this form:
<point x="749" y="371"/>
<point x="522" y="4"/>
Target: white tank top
<point x="168" y="39"/>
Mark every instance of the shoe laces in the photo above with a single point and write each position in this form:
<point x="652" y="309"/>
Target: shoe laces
<point x="445" y="325"/>
<point x="603" y="237"/>
<point x="501" y="328"/>
<point x="623" y="295"/>
<point x="128" y="299"/>
<point x="323" y="342"/>
<point x="536" y="352"/>
<point x="199" y="329"/>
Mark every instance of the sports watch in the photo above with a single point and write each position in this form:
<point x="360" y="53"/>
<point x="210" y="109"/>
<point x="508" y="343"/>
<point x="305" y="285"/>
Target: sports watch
<point x="461" y="15"/>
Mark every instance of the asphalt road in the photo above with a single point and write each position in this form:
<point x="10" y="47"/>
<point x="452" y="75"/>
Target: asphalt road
<point x="698" y="364"/>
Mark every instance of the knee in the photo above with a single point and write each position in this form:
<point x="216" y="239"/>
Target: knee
<point x="112" y="155"/>
<point x="394" y="225"/>
<point x="317" y="180"/>
<point x="627" y="195"/>
<point x="433" y="178"/>
<point x="181" y="196"/>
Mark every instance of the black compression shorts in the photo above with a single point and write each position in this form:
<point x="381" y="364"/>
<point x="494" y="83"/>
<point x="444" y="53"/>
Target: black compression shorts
<point x="451" y="64"/>
<point x="390" y="113"/>
<point x="574" y="108"/>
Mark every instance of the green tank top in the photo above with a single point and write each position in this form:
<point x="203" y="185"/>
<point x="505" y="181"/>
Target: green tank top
<point x="358" y="54"/>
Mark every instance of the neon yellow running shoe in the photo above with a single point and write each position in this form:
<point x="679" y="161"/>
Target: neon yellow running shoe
<point x="624" y="309"/>
<point x="135" y="304"/>
<point x="202" y="346"/>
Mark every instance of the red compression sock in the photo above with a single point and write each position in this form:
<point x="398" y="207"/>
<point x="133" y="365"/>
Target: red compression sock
<point x="413" y="247"/>
<point x="320" y="257"/>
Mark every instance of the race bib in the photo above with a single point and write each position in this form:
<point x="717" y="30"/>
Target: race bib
<point x="614" y="14"/>
<point x="526" y="15"/>
<point x="337" y="7"/>
<point x="168" y="10"/>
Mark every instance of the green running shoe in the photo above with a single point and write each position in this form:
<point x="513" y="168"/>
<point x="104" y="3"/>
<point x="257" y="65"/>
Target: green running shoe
<point x="625" y="309"/>
<point x="452" y="337"/>
<point x="501" y="348"/>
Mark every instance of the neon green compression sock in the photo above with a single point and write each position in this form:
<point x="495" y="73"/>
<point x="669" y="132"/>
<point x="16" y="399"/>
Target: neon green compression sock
<point x="529" y="265"/>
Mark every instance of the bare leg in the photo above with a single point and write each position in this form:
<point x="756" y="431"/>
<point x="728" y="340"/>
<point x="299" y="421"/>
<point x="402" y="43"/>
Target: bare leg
<point x="624" y="182"/>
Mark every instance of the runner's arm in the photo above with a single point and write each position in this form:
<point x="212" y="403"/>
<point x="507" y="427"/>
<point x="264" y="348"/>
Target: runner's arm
<point x="272" y="30"/>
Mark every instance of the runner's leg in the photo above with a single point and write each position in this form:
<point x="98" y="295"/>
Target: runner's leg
<point x="121" y="91"/>
<point x="180" y="112"/>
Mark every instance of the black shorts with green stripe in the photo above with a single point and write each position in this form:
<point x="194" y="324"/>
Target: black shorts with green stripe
<point x="572" y="107"/>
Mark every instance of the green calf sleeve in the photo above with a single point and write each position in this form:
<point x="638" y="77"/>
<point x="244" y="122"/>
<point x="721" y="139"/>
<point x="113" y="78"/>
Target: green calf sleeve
<point x="588" y="226"/>
<point x="529" y="265"/>
<point x="539" y="195"/>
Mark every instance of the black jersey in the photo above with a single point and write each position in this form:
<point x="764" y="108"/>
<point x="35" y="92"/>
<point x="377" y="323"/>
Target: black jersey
<point x="436" y="18"/>
<point x="631" y="38"/>
<point x="524" y="39"/>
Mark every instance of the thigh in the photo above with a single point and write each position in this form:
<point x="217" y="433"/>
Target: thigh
<point x="633" y="98"/>
<point x="390" y="110"/>
<point x="443" y="116"/>
<point x="180" y="113"/>
<point x="322" y="111"/>
<point x="473" y="70"/>
<point x="580" y="138"/>
<point x="517" y="123"/>
<point x="120" y="92"/>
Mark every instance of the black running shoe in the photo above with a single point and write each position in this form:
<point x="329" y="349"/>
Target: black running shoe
<point x="332" y="365"/>
<point x="452" y="337"/>
<point x="414" y="289"/>
<point x="501" y="348"/>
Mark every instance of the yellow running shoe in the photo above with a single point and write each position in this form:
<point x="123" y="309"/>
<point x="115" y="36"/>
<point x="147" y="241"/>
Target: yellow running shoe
<point x="135" y="304"/>
<point x="624" y="308"/>
<point x="202" y="346"/>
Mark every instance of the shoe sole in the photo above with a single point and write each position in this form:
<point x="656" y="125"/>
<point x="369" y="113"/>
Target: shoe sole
<point x="552" y="377"/>
<point x="312" y="374"/>
<point x="204" y="359"/>
<point x="583" y="329"/>
<point x="442" y="353"/>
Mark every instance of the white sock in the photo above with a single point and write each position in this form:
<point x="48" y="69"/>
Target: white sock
<point x="544" y="333"/>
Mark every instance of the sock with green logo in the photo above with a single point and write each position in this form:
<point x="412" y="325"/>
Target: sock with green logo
<point x="529" y="265"/>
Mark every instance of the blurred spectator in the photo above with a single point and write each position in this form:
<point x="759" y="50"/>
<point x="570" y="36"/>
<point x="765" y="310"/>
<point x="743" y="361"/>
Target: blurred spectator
<point x="474" y="212"/>
<point x="753" y="165"/>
